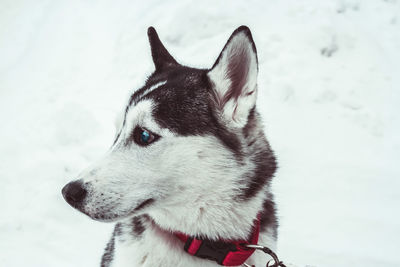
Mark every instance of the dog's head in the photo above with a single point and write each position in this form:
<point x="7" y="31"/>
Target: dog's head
<point x="186" y="141"/>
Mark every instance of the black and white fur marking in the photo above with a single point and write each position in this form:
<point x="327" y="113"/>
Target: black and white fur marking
<point x="207" y="174"/>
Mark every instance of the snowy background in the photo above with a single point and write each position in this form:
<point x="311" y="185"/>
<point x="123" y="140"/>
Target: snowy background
<point x="329" y="92"/>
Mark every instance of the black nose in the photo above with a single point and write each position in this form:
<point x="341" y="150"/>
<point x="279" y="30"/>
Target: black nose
<point x="74" y="193"/>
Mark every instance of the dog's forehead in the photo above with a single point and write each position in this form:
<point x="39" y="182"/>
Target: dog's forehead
<point x="180" y="102"/>
<point x="180" y="98"/>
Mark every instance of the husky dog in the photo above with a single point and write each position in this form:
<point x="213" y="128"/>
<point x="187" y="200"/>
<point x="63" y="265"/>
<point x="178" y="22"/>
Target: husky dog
<point x="189" y="157"/>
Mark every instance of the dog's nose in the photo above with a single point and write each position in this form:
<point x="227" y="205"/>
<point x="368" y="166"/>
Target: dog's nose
<point x="74" y="193"/>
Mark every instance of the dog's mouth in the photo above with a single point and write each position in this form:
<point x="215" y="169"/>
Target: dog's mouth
<point x="113" y="214"/>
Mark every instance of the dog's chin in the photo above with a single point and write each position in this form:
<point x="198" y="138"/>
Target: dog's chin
<point x="108" y="216"/>
<point x="103" y="217"/>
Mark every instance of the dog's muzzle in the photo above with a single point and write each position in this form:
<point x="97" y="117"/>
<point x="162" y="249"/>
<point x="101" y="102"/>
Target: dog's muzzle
<point x="74" y="193"/>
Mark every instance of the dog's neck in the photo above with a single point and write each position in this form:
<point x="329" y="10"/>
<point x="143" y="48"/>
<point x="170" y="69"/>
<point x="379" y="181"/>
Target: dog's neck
<point x="223" y="221"/>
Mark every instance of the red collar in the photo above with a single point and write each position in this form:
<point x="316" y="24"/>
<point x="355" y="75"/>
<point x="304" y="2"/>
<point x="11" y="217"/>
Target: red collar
<point x="224" y="252"/>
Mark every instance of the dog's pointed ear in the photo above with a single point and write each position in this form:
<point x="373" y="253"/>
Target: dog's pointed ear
<point x="161" y="57"/>
<point x="234" y="77"/>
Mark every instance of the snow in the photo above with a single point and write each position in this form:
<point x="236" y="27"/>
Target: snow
<point x="328" y="81"/>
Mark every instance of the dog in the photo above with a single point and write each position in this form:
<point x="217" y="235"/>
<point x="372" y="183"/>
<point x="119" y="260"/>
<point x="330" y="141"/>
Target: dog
<point x="187" y="179"/>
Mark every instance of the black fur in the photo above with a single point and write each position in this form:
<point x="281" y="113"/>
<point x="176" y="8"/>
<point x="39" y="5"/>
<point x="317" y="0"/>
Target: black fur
<point x="144" y="204"/>
<point x="268" y="219"/>
<point x="138" y="226"/>
<point x="108" y="255"/>
<point x="265" y="169"/>
<point x="161" y="57"/>
<point x="263" y="157"/>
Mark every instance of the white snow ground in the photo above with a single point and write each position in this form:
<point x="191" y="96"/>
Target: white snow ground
<point x="329" y="92"/>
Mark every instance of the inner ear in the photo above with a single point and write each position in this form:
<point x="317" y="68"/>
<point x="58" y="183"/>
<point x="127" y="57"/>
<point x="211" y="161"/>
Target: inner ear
<point x="161" y="57"/>
<point x="237" y="70"/>
<point x="234" y="76"/>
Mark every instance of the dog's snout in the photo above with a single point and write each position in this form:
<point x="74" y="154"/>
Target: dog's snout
<point x="74" y="193"/>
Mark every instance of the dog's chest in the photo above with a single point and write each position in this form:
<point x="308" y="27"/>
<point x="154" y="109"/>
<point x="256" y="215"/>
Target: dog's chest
<point x="153" y="248"/>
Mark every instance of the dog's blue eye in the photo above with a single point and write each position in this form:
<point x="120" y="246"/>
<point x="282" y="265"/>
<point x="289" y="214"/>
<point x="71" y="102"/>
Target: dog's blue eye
<point x="144" y="137"/>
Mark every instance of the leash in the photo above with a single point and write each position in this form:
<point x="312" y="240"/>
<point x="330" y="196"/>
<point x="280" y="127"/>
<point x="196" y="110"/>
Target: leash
<point x="266" y="250"/>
